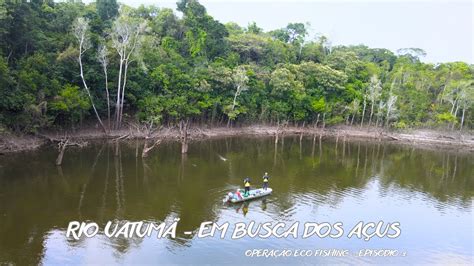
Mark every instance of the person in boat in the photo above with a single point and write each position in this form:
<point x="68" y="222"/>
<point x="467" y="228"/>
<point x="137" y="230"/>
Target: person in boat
<point x="238" y="195"/>
<point x="247" y="186"/>
<point x="265" y="178"/>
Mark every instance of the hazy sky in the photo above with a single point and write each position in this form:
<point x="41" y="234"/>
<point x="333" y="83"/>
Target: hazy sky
<point x="444" y="29"/>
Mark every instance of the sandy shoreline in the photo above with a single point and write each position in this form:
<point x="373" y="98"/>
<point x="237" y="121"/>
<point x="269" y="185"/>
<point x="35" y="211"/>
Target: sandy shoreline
<point x="447" y="139"/>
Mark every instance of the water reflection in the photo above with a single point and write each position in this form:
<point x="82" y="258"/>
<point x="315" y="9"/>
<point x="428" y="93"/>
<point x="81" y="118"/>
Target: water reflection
<point x="313" y="179"/>
<point x="244" y="207"/>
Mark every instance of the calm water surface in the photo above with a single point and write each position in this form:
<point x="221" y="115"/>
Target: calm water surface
<point x="430" y="192"/>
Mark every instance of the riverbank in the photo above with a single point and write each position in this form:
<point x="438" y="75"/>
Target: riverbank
<point x="465" y="141"/>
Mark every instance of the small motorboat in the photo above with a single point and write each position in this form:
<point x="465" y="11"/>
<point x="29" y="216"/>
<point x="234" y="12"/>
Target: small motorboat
<point x="235" y="197"/>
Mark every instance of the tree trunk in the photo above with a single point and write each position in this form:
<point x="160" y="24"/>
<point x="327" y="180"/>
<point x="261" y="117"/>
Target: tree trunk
<point x="119" y="89"/>
<point x="453" y="104"/>
<point x="455" y="115"/>
<point x="371" y="113"/>
<point x="235" y="98"/>
<point x="324" y="120"/>
<point x="277" y="133"/>
<point x="62" y="145"/>
<point x="123" y="92"/>
<point x="387" y="118"/>
<point x="147" y="148"/>
<point x="108" y="96"/>
<point x="183" y="129"/>
<point x="87" y="89"/>
<point x="462" y="117"/>
<point x="213" y="115"/>
<point x="62" y="149"/>
<point x="363" y="113"/>
<point x="444" y="88"/>
<point x="234" y="102"/>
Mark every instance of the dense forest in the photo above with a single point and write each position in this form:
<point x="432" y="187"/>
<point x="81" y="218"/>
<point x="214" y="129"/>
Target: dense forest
<point x="64" y="63"/>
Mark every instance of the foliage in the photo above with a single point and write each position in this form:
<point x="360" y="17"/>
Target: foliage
<point x="70" y="104"/>
<point x="151" y="109"/>
<point x="400" y="125"/>
<point x="191" y="66"/>
<point x="444" y="118"/>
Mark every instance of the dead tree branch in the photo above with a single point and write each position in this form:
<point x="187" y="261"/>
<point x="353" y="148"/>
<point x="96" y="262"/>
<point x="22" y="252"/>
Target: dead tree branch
<point x="63" y="144"/>
<point x="146" y="149"/>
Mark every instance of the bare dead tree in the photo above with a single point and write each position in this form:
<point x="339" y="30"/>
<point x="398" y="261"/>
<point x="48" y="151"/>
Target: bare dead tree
<point x="126" y="39"/>
<point x="354" y="108"/>
<point x="240" y="80"/>
<point x="63" y="144"/>
<point x="280" y="130"/>
<point x="146" y="148"/>
<point x="375" y="89"/>
<point x="121" y="137"/>
<point x="364" y="104"/>
<point x="183" y="134"/>
<point x="80" y="31"/>
<point x="317" y="121"/>
<point x="324" y="120"/>
<point x="104" y="61"/>
<point x="380" y="112"/>
<point x="466" y="98"/>
<point x="391" y="108"/>
<point x="62" y="148"/>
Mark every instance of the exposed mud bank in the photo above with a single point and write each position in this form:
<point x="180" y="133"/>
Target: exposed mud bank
<point x="447" y="139"/>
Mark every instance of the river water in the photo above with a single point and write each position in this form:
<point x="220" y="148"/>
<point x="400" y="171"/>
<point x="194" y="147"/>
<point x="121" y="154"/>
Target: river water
<point x="429" y="192"/>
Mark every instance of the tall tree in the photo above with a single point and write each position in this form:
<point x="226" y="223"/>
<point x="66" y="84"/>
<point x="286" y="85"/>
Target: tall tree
<point x="391" y="108"/>
<point x="354" y="108"/>
<point x="466" y="99"/>
<point x="240" y="80"/>
<point x="374" y="92"/>
<point x="81" y="32"/>
<point x="126" y="38"/>
<point x="102" y="56"/>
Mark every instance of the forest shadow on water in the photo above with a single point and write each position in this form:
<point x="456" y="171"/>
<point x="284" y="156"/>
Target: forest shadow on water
<point x="314" y="180"/>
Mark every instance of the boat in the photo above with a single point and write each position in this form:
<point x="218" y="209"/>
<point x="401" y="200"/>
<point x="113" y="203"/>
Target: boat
<point x="253" y="194"/>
